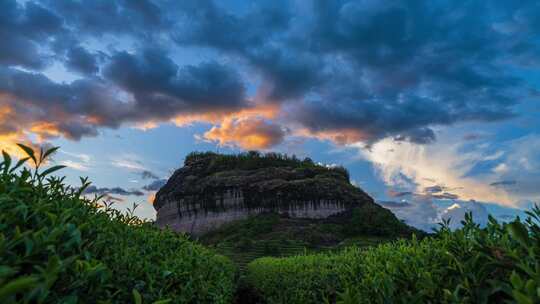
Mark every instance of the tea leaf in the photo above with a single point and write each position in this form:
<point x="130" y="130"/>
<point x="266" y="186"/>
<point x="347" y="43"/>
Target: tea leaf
<point x="29" y="151"/>
<point x="52" y="170"/>
<point x="137" y="299"/>
<point x="17" y="286"/>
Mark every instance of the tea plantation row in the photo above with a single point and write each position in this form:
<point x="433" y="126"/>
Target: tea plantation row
<point x="497" y="264"/>
<point x="57" y="247"/>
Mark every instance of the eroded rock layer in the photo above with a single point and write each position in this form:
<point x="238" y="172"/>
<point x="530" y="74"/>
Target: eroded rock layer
<point x="212" y="189"/>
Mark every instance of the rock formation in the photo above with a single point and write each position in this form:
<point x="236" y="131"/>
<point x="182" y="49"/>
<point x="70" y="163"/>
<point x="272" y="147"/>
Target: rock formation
<point x="213" y="189"/>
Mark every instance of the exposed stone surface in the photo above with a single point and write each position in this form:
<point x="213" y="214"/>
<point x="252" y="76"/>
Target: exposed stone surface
<point x="202" y="195"/>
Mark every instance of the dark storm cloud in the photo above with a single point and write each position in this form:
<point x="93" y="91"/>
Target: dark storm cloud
<point x="34" y="33"/>
<point x="23" y="30"/>
<point x="436" y="192"/>
<point x="419" y="135"/>
<point x="394" y="204"/>
<point x="98" y="17"/>
<point x="425" y="64"/>
<point x="472" y="136"/>
<point x="446" y="195"/>
<point x="155" y="185"/>
<point x="382" y="68"/>
<point x="80" y="60"/>
<point x="393" y="193"/>
<point x="503" y="183"/>
<point x="111" y="198"/>
<point x="112" y="191"/>
<point x="257" y="37"/>
<point x="342" y="70"/>
<point x="205" y="23"/>
<point x="148" y="175"/>
<point x="34" y="99"/>
<point x="161" y="87"/>
<point x="434" y="189"/>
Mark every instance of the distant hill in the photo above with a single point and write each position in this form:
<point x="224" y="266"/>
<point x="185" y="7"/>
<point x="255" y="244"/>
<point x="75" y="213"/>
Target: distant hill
<point x="214" y="189"/>
<point x="251" y="205"/>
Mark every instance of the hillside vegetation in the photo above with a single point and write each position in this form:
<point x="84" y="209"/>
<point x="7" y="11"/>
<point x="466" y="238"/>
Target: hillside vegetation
<point x="253" y="160"/>
<point x="498" y="264"/>
<point x="271" y="234"/>
<point x="58" y="247"/>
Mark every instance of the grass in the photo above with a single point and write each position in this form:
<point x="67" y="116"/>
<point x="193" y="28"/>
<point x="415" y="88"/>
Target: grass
<point x="59" y="247"/>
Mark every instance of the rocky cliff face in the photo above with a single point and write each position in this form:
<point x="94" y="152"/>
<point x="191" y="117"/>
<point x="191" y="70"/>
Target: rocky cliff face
<point x="212" y="189"/>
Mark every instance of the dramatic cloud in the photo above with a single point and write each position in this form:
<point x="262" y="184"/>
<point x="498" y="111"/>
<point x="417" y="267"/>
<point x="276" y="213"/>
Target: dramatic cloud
<point x="393" y="204"/>
<point x="503" y="183"/>
<point x="434" y="189"/>
<point x="23" y="31"/>
<point x="396" y="83"/>
<point x="160" y="87"/>
<point x="424" y="213"/>
<point x="472" y="136"/>
<point x="446" y="196"/>
<point x="80" y="60"/>
<point x="413" y="168"/>
<point x="155" y="185"/>
<point x="145" y="174"/>
<point x="111" y="198"/>
<point x="96" y="18"/>
<point x="112" y="191"/>
<point x="248" y="133"/>
<point x="456" y="213"/>
<point x="424" y="178"/>
<point x="79" y="108"/>
<point x="521" y="175"/>
<point x="393" y="193"/>
<point x="418" y="211"/>
<point x="431" y="63"/>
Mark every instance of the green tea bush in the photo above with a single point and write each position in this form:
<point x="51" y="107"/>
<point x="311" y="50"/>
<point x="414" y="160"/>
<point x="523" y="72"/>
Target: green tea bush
<point x="496" y="264"/>
<point x="299" y="279"/>
<point x="59" y="247"/>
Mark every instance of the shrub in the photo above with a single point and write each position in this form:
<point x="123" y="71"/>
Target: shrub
<point x="271" y="248"/>
<point x="298" y="279"/>
<point x="244" y="243"/>
<point x="59" y="247"/>
<point x="496" y="264"/>
<point x="255" y="160"/>
<point x="372" y="219"/>
<point x="244" y="230"/>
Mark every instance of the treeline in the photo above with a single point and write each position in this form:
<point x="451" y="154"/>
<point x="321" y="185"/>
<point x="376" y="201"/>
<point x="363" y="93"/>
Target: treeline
<point x="252" y="160"/>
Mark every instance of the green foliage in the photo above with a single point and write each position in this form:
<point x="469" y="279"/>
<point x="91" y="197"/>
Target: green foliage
<point x="255" y="160"/>
<point x="270" y="234"/>
<point x="371" y="219"/>
<point x="58" y="247"/>
<point x="496" y="264"/>
<point x="237" y="231"/>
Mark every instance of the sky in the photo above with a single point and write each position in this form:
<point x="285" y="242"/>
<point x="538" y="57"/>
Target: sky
<point x="433" y="106"/>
